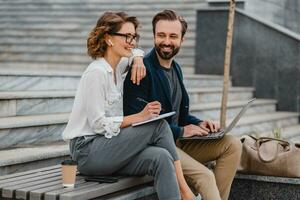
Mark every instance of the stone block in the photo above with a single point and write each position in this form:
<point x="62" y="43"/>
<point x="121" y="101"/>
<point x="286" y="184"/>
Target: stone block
<point x="30" y="135"/>
<point x="252" y="187"/>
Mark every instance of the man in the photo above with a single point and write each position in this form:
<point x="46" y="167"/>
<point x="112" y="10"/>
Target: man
<point x="164" y="83"/>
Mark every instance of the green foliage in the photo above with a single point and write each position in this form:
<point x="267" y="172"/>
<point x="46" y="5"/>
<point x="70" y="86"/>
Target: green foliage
<point x="277" y="133"/>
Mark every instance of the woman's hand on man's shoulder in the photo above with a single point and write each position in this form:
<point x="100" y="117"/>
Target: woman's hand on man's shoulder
<point x="138" y="70"/>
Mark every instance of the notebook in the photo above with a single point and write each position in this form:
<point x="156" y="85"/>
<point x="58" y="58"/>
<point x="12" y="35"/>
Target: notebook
<point x="162" y="116"/>
<point x="222" y="132"/>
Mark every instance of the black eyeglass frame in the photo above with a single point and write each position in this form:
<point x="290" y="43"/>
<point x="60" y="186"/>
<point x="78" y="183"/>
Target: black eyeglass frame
<point x="128" y="37"/>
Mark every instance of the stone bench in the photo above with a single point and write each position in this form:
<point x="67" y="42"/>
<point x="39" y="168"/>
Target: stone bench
<point x="46" y="184"/>
<point x="252" y="187"/>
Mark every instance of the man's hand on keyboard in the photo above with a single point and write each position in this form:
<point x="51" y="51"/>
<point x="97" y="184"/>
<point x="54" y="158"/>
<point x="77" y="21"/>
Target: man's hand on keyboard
<point x="210" y="126"/>
<point x="193" y="130"/>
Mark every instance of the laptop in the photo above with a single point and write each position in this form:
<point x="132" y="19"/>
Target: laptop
<point x="222" y="132"/>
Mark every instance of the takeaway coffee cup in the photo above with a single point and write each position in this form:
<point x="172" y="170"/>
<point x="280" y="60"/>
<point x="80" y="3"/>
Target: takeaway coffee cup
<point x="68" y="170"/>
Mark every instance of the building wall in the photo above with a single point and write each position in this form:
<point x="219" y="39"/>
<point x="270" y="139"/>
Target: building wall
<point x="264" y="55"/>
<point x="283" y="12"/>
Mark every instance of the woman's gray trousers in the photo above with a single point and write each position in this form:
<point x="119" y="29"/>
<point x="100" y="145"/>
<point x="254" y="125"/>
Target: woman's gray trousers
<point x="142" y="150"/>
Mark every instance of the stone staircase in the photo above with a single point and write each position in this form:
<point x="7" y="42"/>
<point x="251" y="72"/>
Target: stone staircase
<point x="42" y="55"/>
<point x="32" y="119"/>
<point x="33" y="32"/>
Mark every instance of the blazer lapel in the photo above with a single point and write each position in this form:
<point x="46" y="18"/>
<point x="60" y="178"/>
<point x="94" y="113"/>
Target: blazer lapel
<point x="161" y="76"/>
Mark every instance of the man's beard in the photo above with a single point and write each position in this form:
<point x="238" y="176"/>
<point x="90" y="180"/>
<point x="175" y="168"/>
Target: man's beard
<point x="166" y="55"/>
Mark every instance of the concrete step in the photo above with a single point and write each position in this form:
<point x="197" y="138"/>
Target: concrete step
<point x="291" y="133"/>
<point x="68" y="46"/>
<point x="25" y="2"/>
<point x="202" y="81"/>
<point x="16" y="80"/>
<point x="30" y="130"/>
<point x="76" y="19"/>
<point x="56" y="67"/>
<point x="74" y="30"/>
<point x="36" y="2"/>
<point x="295" y="139"/>
<point x="29" y="19"/>
<point x="212" y="110"/>
<point x="39" y="129"/>
<point x="22" y="103"/>
<point x="92" y="4"/>
<point x="136" y="10"/>
<point x="67" y="25"/>
<point x="264" y="122"/>
<point x="28" y="157"/>
<point x="73" y="58"/>
<point x="31" y="67"/>
<point x="73" y="54"/>
<point x="71" y="62"/>
<point x="208" y="95"/>
<point x="68" y="28"/>
<point x="188" y="69"/>
<point x="58" y="36"/>
<point x="32" y="157"/>
<point x="101" y="4"/>
<point x="82" y="34"/>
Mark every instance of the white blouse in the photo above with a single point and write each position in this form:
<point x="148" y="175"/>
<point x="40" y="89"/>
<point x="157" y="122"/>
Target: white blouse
<point x="98" y="104"/>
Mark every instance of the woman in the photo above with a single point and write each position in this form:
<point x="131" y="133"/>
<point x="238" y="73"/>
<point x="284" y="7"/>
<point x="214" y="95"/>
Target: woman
<point x="103" y="142"/>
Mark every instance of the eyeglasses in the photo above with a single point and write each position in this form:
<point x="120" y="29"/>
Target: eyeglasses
<point x="129" y="38"/>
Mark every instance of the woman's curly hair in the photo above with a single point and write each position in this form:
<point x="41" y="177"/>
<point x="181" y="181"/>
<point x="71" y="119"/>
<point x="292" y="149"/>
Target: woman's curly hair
<point x="109" y="22"/>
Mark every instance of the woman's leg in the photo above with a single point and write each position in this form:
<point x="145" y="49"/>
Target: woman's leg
<point x="166" y="141"/>
<point x="156" y="162"/>
<point x="106" y="156"/>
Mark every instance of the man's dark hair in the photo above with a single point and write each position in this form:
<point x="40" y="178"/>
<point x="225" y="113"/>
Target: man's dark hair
<point x="169" y="15"/>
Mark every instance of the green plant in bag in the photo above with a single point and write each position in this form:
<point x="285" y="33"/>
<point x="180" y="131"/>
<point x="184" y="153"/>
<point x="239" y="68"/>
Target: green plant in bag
<point x="277" y="133"/>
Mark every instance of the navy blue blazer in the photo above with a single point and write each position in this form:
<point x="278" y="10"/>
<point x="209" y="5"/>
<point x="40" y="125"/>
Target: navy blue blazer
<point x="155" y="87"/>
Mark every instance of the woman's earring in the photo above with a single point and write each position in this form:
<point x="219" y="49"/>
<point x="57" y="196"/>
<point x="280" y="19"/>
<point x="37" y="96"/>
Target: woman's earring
<point x="110" y="43"/>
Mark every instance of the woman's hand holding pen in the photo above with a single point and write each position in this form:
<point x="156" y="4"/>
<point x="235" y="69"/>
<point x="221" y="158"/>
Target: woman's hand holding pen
<point x="151" y="110"/>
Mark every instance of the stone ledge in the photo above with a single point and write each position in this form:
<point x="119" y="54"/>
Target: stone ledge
<point x="37" y="72"/>
<point x="8" y="95"/>
<point x="224" y="1"/>
<point x="253" y="187"/>
<point x="232" y="104"/>
<point x="267" y="117"/>
<point x="33" y="153"/>
<point x="70" y="73"/>
<point x="219" y="89"/>
<point x="273" y="179"/>
<point x="34" y="120"/>
<point x="71" y="93"/>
